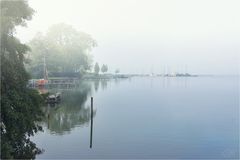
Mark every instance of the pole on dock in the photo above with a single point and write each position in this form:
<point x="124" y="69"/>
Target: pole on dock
<point x="91" y="130"/>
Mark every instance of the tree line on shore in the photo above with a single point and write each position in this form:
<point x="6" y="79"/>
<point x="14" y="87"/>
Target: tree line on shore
<point x="104" y="69"/>
<point x="63" y="50"/>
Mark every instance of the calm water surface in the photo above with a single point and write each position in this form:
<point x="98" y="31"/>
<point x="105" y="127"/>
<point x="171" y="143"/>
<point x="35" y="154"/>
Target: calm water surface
<point x="194" y="117"/>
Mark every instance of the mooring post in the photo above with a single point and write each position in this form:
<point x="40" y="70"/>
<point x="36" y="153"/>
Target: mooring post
<point x="48" y="119"/>
<point x="91" y="107"/>
<point x="91" y="131"/>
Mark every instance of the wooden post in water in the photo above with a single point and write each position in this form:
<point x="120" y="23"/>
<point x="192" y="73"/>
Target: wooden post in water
<point x="48" y="119"/>
<point x="91" y="131"/>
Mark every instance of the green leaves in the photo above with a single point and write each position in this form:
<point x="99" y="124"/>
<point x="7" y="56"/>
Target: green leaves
<point x="20" y="106"/>
<point x="14" y="13"/>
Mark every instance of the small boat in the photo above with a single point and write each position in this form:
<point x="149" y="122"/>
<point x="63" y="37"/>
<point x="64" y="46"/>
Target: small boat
<point x="54" y="98"/>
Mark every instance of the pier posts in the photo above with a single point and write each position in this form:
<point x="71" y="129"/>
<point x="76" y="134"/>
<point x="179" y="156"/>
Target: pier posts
<point x="91" y="130"/>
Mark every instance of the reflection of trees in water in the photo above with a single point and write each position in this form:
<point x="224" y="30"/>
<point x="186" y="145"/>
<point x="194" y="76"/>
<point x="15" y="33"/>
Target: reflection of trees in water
<point x="96" y="85"/>
<point x="117" y="81"/>
<point x="104" y="83"/>
<point x="71" y="112"/>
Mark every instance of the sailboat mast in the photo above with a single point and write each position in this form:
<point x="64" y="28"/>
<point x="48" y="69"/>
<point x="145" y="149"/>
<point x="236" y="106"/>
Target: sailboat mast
<point x="45" y="68"/>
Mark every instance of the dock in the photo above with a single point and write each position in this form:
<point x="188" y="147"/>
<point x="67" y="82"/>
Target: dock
<point x="61" y="81"/>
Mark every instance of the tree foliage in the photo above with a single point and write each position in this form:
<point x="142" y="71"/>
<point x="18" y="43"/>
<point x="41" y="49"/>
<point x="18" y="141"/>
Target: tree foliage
<point x="20" y="106"/>
<point x="66" y="51"/>
<point x="117" y="71"/>
<point x="104" y="68"/>
<point x="96" y="68"/>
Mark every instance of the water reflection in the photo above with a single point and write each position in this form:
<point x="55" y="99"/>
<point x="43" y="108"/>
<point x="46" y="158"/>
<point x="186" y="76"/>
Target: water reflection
<point x="178" y="122"/>
<point x="91" y="128"/>
<point x="74" y="111"/>
<point x="103" y="82"/>
<point x="71" y="112"/>
<point x="96" y="85"/>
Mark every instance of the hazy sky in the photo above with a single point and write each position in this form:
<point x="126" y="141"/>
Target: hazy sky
<point x="143" y="36"/>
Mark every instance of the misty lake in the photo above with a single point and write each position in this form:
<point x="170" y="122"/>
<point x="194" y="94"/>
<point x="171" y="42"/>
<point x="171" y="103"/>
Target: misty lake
<point x="145" y="117"/>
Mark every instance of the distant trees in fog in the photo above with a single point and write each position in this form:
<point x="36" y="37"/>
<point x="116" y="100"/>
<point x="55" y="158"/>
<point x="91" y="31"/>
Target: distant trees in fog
<point x="104" y="68"/>
<point x="96" y="68"/>
<point x="65" y="49"/>
<point x="117" y="71"/>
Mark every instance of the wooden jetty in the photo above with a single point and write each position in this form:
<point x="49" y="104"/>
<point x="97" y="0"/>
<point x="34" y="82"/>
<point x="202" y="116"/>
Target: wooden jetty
<point x="61" y="81"/>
